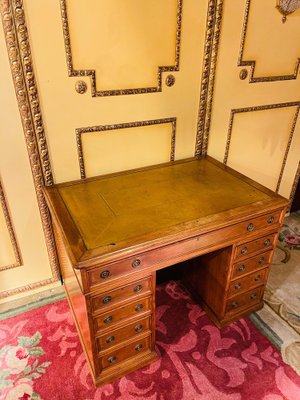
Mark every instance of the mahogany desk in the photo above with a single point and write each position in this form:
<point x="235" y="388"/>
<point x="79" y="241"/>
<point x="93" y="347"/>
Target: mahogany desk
<point x="114" y="232"/>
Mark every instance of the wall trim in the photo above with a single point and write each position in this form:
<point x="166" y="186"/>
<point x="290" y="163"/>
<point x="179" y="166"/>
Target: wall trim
<point x="252" y="63"/>
<point x="294" y="187"/>
<point x="92" y="73"/>
<point x="262" y="108"/>
<point x="103" y="128"/>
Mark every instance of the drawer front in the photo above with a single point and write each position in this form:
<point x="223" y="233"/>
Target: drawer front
<point x="247" y="282"/>
<point x="126" y="352"/>
<point x="117" y="336"/>
<point x="251" y="264"/>
<point x="136" y="308"/>
<point x="263" y="243"/>
<point x="245" y="300"/>
<point x="125" y="293"/>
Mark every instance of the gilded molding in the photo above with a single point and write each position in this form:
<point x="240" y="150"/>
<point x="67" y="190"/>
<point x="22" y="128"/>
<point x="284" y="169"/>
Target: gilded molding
<point x="26" y="288"/>
<point x="12" y="236"/>
<point x="294" y="187"/>
<point x="103" y="128"/>
<point x="213" y="31"/>
<point x="92" y="73"/>
<point x="261" y="108"/>
<point x="19" y="53"/>
<point x="252" y="63"/>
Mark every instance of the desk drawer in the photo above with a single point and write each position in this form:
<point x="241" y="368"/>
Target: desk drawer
<point x="126" y="352"/>
<point x="251" y="264"/>
<point x="248" y="282"/>
<point x="244" y="300"/>
<point x="118" y="315"/>
<point x="263" y="243"/>
<point x="114" y="337"/>
<point x="125" y="293"/>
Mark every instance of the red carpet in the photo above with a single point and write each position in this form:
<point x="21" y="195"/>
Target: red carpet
<point x="41" y="358"/>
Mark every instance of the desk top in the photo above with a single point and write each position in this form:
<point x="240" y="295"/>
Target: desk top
<point x="117" y="211"/>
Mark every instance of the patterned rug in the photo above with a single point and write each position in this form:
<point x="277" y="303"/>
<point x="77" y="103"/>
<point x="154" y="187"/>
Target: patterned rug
<point x="41" y="358"/>
<point x="281" y="313"/>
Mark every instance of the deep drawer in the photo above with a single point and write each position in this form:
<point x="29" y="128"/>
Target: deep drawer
<point x="251" y="264"/>
<point x="124" y="353"/>
<point x="261" y="244"/>
<point x="114" y="337"/>
<point x="248" y="282"/>
<point x="125" y="293"/>
<point x="244" y="300"/>
<point x="120" y="314"/>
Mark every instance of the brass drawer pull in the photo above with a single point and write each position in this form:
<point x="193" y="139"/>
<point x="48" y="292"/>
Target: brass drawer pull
<point x="110" y="339"/>
<point x="107" y="320"/>
<point x="138" y="328"/>
<point x="253" y="296"/>
<point x="271" y="219"/>
<point x="106" y="299"/>
<point x="242" y="267"/>
<point x="238" y="286"/>
<point x="135" y="263"/>
<point x="267" y="242"/>
<point x="244" y="250"/>
<point x="250" y="227"/>
<point x="138" y="347"/>
<point x="138" y="288"/>
<point x="261" y="260"/>
<point x="139" y="307"/>
<point x="104" y="274"/>
<point x="112" y="359"/>
<point x="257" y="278"/>
<point x="234" y="304"/>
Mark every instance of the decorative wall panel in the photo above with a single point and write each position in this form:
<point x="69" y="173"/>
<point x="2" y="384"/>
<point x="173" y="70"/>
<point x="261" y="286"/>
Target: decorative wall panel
<point x="129" y="59"/>
<point x="157" y="136"/>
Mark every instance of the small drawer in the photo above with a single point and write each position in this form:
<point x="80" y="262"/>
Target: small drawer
<point x="126" y="352"/>
<point x="244" y="300"/>
<point x="263" y="243"/>
<point x="117" y="336"/>
<point x="263" y="222"/>
<point x="119" y="314"/>
<point x="125" y="293"/>
<point x="247" y="282"/>
<point x="251" y="264"/>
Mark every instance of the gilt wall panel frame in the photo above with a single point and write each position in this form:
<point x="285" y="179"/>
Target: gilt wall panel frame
<point x="11" y="232"/>
<point x="92" y="73"/>
<point x="20" y="59"/>
<point x="105" y="128"/>
<point x="295" y="104"/>
<point x="252" y="63"/>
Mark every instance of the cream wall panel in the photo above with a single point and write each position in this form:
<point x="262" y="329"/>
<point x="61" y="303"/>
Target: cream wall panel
<point x="20" y="194"/>
<point x="232" y="93"/>
<point x="64" y="110"/>
<point x="7" y="255"/>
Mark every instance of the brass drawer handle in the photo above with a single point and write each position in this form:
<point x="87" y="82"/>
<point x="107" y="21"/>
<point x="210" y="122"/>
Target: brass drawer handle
<point x="237" y="286"/>
<point x="234" y="304"/>
<point x="138" y="347"/>
<point x="244" y="250"/>
<point x="138" y="328"/>
<point x="257" y="278"/>
<point x="138" y="288"/>
<point x="112" y="359"/>
<point x="242" y="267"/>
<point x="267" y="242"/>
<point x="104" y="274"/>
<point x="250" y="227"/>
<point x="139" y="307"/>
<point x="135" y="263"/>
<point x="110" y="339"/>
<point x="107" y="320"/>
<point x="253" y="296"/>
<point x="261" y="260"/>
<point x="271" y="219"/>
<point x="106" y="299"/>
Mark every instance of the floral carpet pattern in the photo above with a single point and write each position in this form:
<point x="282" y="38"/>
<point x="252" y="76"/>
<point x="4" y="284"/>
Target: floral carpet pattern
<point x="41" y="358"/>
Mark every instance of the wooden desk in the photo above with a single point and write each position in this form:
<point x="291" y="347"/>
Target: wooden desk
<point x="114" y="232"/>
